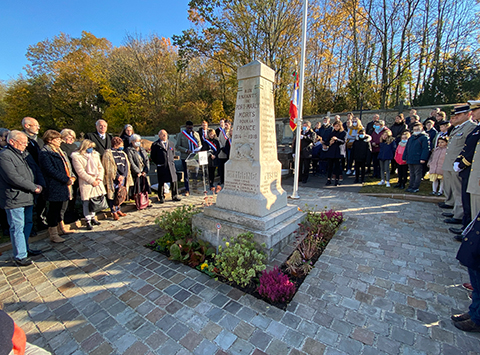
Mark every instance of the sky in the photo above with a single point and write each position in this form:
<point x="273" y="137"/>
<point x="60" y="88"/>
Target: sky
<point x="27" y="22"/>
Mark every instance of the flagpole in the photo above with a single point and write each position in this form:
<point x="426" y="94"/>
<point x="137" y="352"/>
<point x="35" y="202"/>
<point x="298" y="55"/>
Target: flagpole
<point x="300" y="103"/>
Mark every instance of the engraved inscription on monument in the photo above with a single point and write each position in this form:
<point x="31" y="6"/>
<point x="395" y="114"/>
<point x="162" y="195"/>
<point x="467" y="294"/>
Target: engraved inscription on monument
<point x="253" y="170"/>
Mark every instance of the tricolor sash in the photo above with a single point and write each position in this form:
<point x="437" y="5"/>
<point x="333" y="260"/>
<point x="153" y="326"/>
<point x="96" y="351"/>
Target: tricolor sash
<point x="223" y="132"/>
<point x="211" y="145"/>
<point x="193" y="143"/>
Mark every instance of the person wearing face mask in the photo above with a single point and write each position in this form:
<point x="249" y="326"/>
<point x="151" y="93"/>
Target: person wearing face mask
<point x="361" y="151"/>
<point x="90" y="172"/>
<point x="117" y="173"/>
<point x="352" y="133"/>
<point x="335" y="151"/>
<point x="378" y="130"/>
<point x="126" y="134"/>
<point x="401" y="163"/>
<point x="139" y="165"/>
<point x="416" y="153"/>
<point x="59" y="178"/>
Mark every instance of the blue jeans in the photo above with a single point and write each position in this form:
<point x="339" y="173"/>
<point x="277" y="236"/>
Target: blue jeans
<point x="474" y="309"/>
<point x="21" y="223"/>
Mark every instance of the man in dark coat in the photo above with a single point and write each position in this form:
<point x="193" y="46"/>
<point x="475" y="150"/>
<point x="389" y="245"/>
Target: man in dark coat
<point x="35" y="144"/>
<point x="20" y="180"/>
<point x="469" y="256"/>
<point x="162" y="154"/>
<point x="101" y="138"/>
<point x="307" y="138"/>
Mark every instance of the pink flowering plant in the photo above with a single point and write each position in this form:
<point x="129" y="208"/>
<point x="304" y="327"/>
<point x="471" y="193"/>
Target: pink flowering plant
<point x="275" y="286"/>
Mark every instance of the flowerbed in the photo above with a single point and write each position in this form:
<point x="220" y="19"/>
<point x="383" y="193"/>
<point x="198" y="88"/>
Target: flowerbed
<point x="241" y="261"/>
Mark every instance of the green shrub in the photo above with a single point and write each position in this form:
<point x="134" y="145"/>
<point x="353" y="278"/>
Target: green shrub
<point x="178" y="222"/>
<point x="191" y="251"/>
<point x="240" y="260"/>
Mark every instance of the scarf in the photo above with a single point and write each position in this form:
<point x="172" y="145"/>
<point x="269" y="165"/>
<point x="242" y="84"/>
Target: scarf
<point x="66" y="164"/>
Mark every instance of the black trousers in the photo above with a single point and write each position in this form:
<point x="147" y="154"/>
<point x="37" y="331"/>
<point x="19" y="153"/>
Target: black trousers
<point x="360" y="170"/>
<point x="376" y="165"/>
<point x="54" y="214"/>
<point x="173" y="189"/>
<point x="466" y="204"/>
<point x="211" y="175"/>
<point x="221" y="170"/>
<point x="402" y="174"/>
<point x="3" y="220"/>
<point x="334" y="167"/>
<point x="304" y="168"/>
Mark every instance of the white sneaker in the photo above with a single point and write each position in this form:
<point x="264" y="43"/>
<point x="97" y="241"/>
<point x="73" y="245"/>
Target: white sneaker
<point x="388" y="184"/>
<point x="349" y="172"/>
<point x="381" y="183"/>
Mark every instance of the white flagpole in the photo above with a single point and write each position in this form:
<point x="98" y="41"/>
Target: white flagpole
<point x="300" y="103"/>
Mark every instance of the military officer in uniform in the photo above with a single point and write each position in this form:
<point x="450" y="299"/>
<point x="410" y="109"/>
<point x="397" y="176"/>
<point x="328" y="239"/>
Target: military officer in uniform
<point x="463" y="166"/>
<point x="463" y="126"/>
<point x="473" y="186"/>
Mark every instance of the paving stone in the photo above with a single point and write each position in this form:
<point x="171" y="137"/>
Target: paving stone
<point x="157" y="339"/>
<point x="229" y="322"/>
<point x="293" y="338"/>
<point x="244" y="330"/>
<point x="241" y="347"/>
<point x="403" y="336"/>
<point x="225" y="339"/>
<point x="103" y="349"/>
<point x="261" y="321"/>
<point x="178" y="331"/>
<point x="313" y="347"/>
<point x="363" y="335"/>
<point x="137" y="348"/>
<point x="205" y="347"/>
<point x="211" y="330"/>
<point x="191" y="340"/>
<point x="260" y="339"/>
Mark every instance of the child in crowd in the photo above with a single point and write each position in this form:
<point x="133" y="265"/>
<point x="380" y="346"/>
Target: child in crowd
<point x="385" y="155"/>
<point x="402" y="164"/>
<point x="435" y="164"/>
<point x="361" y="151"/>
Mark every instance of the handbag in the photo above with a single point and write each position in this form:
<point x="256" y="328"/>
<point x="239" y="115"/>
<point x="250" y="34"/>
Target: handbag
<point x="97" y="204"/>
<point x="120" y="196"/>
<point x="141" y="198"/>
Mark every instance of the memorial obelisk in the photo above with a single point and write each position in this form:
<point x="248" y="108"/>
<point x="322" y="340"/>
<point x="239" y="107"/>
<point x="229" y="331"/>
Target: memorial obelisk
<point x="253" y="199"/>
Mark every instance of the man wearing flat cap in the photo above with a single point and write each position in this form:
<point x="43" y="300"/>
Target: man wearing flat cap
<point x="463" y="126"/>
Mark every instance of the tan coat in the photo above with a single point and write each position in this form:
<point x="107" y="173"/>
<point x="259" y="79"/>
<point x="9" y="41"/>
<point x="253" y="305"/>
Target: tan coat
<point x="474" y="179"/>
<point x="85" y="180"/>
<point x="456" y="142"/>
<point x="111" y="172"/>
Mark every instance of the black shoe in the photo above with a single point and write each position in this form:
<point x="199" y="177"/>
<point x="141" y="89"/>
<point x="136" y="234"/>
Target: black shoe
<point x="89" y="226"/>
<point x="458" y="238"/>
<point x="95" y="222"/>
<point x="453" y="221"/>
<point x="23" y="262"/>
<point x="176" y="199"/>
<point x="409" y="190"/>
<point x="447" y="214"/>
<point x="444" y="205"/>
<point x="415" y="191"/>
<point x="161" y="200"/>
<point x="460" y="317"/>
<point x="397" y="186"/>
<point x="456" y="230"/>
<point x="33" y="252"/>
<point x="336" y="182"/>
<point x="467" y="326"/>
<point x="356" y="181"/>
<point x="329" y="182"/>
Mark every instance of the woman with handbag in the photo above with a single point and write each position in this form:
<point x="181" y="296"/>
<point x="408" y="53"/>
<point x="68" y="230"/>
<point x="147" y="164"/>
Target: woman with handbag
<point x="117" y="176"/>
<point x="59" y="178"/>
<point x="88" y="166"/>
<point x="139" y="167"/>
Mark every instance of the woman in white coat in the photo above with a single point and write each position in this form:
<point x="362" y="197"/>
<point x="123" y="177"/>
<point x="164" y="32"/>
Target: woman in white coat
<point x="90" y="172"/>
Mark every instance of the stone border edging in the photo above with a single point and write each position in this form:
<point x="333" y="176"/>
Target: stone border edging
<point x="409" y="197"/>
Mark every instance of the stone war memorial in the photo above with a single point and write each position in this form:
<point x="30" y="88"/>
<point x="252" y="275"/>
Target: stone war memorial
<point x="253" y="199"/>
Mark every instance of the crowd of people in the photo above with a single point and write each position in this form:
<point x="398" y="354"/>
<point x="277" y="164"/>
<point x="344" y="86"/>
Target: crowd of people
<point x="44" y="176"/>
<point x="447" y="150"/>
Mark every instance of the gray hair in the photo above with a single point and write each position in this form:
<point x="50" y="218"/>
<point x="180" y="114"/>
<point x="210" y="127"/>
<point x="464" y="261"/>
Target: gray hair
<point x="27" y="120"/>
<point x="100" y="120"/>
<point x="15" y="135"/>
<point x="68" y="132"/>
<point x="134" y="137"/>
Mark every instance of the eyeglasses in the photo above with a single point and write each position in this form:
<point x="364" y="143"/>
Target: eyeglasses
<point x="34" y="125"/>
<point x="21" y="143"/>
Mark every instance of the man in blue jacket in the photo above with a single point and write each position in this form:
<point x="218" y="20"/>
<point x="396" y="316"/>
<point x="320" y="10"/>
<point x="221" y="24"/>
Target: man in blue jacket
<point x="416" y="153"/>
<point x="20" y="180"/>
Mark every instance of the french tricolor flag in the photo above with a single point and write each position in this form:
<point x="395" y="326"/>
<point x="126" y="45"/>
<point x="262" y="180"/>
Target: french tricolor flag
<point x="294" y="103"/>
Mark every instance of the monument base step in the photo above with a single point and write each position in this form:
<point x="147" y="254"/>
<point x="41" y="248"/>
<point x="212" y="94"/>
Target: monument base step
<point x="278" y="236"/>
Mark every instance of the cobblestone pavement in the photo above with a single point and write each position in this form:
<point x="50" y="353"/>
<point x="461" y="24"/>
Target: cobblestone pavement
<point x="387" y="284"/>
